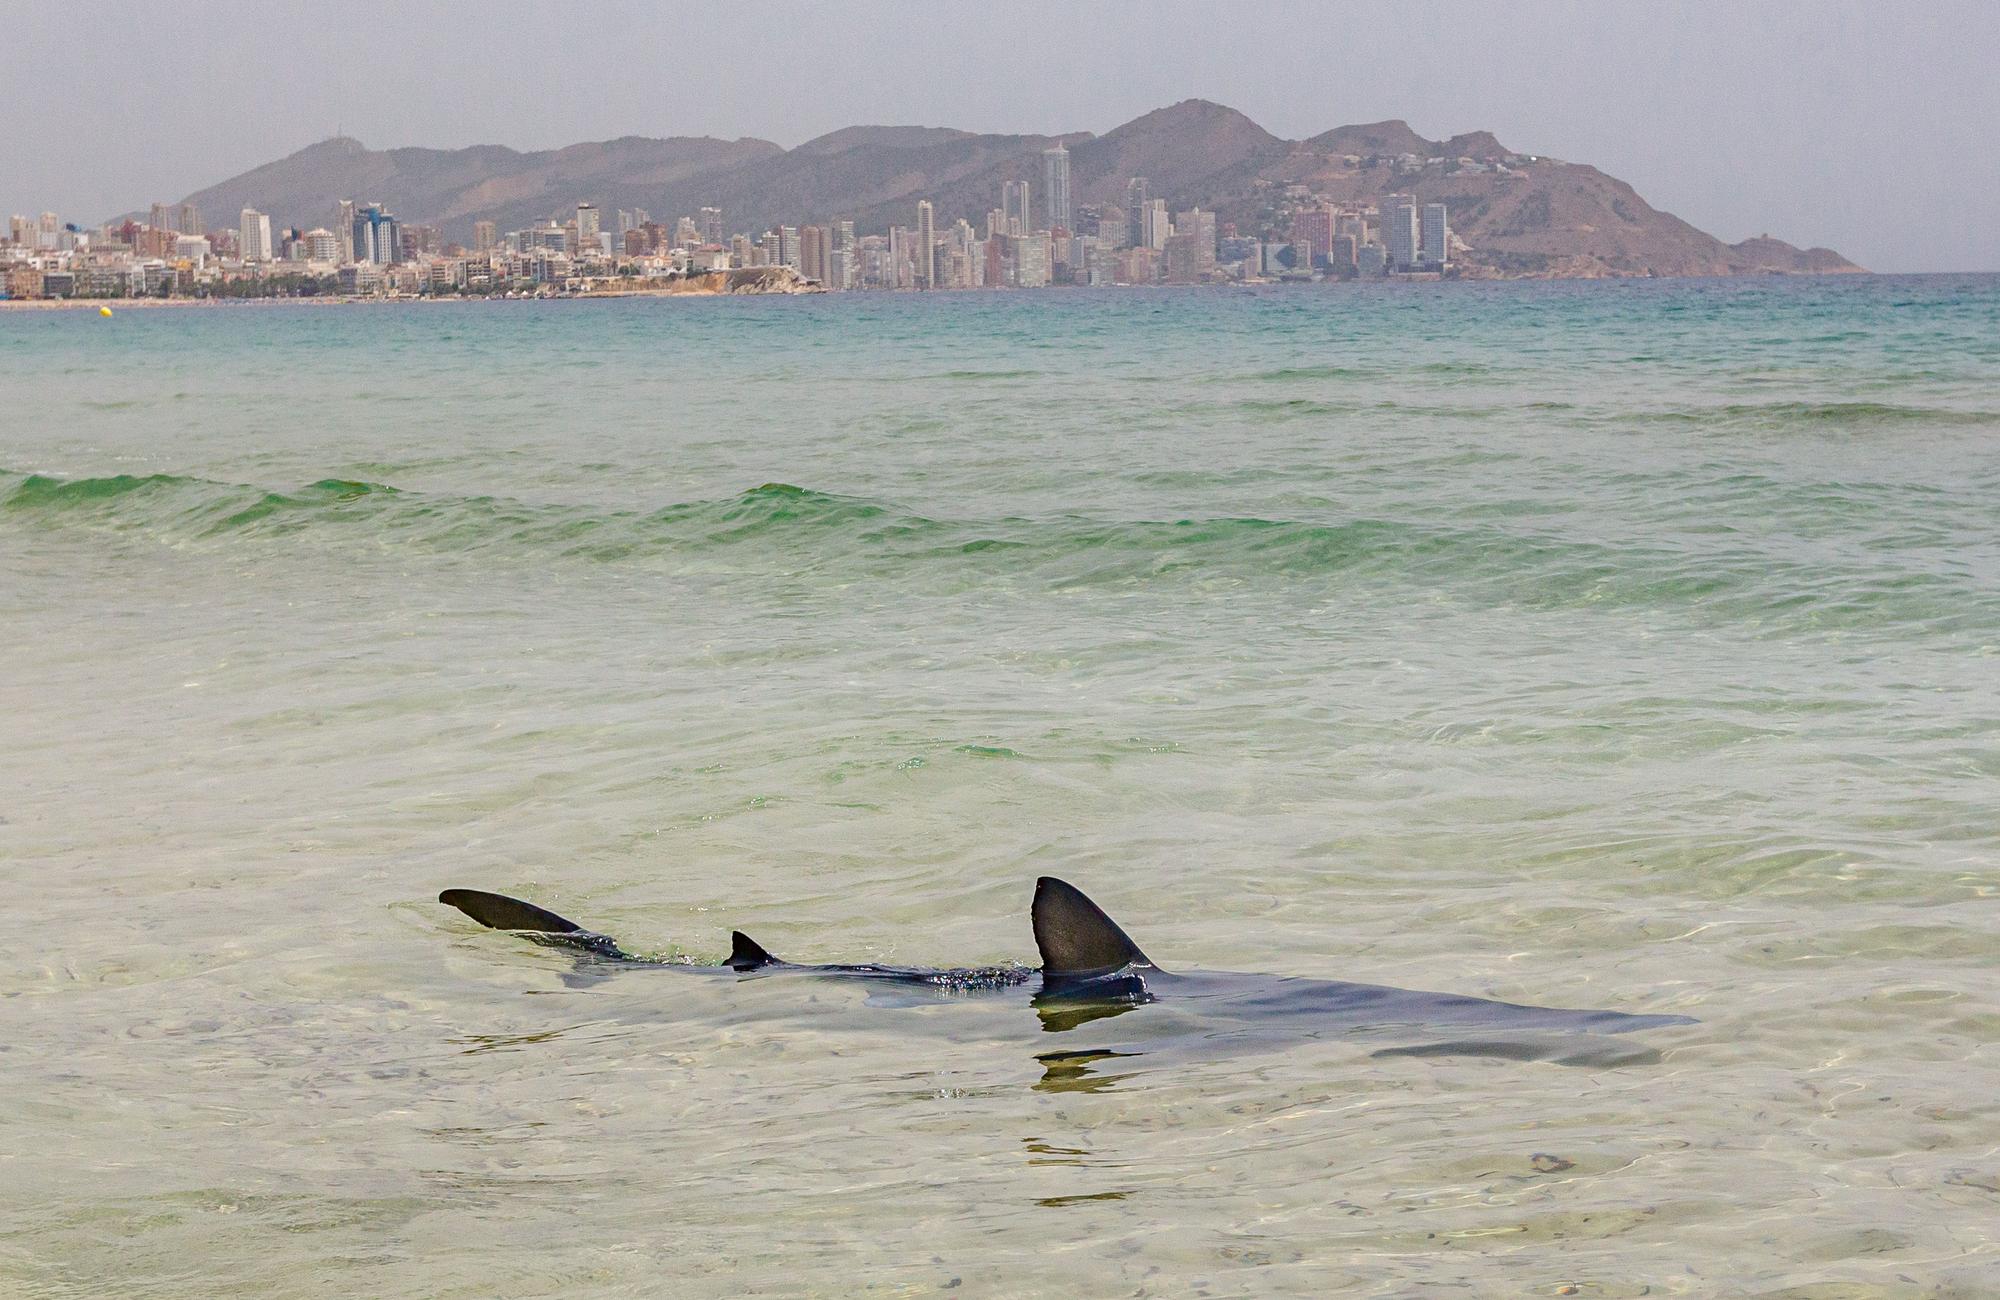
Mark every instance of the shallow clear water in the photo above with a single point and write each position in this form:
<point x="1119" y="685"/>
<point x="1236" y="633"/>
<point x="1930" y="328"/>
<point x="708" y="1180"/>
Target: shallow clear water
<point x="1632" y="646"/>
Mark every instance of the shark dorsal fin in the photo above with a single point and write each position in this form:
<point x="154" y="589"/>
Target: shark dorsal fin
<point x="746" y="953"/>
<point x="1076" y="938"/>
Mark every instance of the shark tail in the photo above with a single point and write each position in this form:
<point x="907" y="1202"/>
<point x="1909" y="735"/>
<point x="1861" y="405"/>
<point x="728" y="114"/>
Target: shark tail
<point x="499" y="912"/>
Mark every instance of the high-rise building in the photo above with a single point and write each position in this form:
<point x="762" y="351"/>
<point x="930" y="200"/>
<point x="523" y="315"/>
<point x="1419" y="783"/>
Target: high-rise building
<point x="1136" y="204"/>
<point x="1154" y="226"/>
<point x="1313" y="228"/>
<point x="253" y="239"/>
<point x="1055" y="187"/>
<point x="343" y="230"/>
<point x="1437" y="235"/>
<point x="687" y="234"/>
<point x="896" y="275"/>
<point x="418" y="241"/>
<point x="190" y="220"/>
<point x="739" y="250"/>
<point x="1199" y="227"/>
<point x="20" y="230"/>
<point x="165" y="217"/>
<point x="1030" y="256"/>
<point x="320" y="245"/>
<point x="588" y="228"/>
<point x="485" y="234"/>
<point x="788" y="247"/>
<point x="926" y="250"/>
<point x="1014" y="201"/>
<point x="1400" y="230"/>
<point x="625" y="225"/>
<point x="815" y="253"/>
<point x="711" y="225"/>
<point x="377" y="238"/>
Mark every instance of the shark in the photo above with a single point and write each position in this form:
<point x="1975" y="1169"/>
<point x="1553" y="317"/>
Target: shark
<point x="1092" y="971"/>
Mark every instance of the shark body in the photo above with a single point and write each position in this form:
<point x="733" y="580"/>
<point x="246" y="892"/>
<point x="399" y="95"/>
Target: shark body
<point x="1092" y="970"/>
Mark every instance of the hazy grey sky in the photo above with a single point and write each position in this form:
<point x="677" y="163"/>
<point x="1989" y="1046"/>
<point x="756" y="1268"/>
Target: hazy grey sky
<point x="1869" y="127"/>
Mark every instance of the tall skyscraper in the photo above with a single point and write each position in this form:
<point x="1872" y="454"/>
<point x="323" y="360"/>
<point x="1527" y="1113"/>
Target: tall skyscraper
<point x="253" y="239"/>
<point x="1136" y="204"/>
<point x="926" y="250"/>
<point x="1055" y="186"/>
<point x="1154" y="226"/>
<point x="1199" y="228"/>
<point x="815" y="253"/>
<point x="1399" y="230"/>
<point x="588" y="228"/>
<point x="343" y="230"/>
<point x="165" y="217"/>
<point x="897" y="274"/>
<point x="485" y="235"/>
<point x="1437" y="234"/>
<point x="190" y="222"/>
<point x="711" y="225"/>
<point x="377" y="238"/>
<point x="1014" y="201"/>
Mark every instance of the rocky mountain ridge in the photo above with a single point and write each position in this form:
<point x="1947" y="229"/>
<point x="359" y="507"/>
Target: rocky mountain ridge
<point x="1520" y="214"/>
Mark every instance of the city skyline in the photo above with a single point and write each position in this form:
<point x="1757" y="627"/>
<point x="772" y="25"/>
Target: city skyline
<point x="370" y="252"/>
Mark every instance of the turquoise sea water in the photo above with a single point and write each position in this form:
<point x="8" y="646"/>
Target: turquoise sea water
<point x="1625" y="645"/>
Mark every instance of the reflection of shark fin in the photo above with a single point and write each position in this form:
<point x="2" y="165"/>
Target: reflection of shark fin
<point x="746" y="953"/>
<point x="1076" y="938"/>
<point x="1071" y="1071"/>
<point x="1060" y="1014"/>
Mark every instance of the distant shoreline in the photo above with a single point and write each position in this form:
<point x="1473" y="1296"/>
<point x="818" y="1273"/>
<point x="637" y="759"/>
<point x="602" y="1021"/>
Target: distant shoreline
<point x="151" y="304"/>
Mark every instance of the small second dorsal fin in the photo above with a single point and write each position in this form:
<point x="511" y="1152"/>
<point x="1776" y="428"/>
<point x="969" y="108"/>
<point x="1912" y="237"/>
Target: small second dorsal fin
<point x="1076" y="938"/>
<point x="746" y="953"/>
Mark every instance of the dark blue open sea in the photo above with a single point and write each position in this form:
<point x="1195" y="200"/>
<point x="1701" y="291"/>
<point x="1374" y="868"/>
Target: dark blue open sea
<point x="1629" y="645"/>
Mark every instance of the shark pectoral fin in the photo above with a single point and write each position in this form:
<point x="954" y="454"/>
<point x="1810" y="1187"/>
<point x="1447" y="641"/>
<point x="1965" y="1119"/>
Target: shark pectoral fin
<point x="1589" y="1051"/>
<point x="499" y="912"/>
<point x="746" y="953"/>
<point x="1076" y="938"/>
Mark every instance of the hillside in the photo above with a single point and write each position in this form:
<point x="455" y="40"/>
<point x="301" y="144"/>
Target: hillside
<point x="1527" y="216"/>
<point x="453" y="188"/>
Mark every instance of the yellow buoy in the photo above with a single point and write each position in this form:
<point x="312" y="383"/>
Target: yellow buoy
<point x="103" y="311"/>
